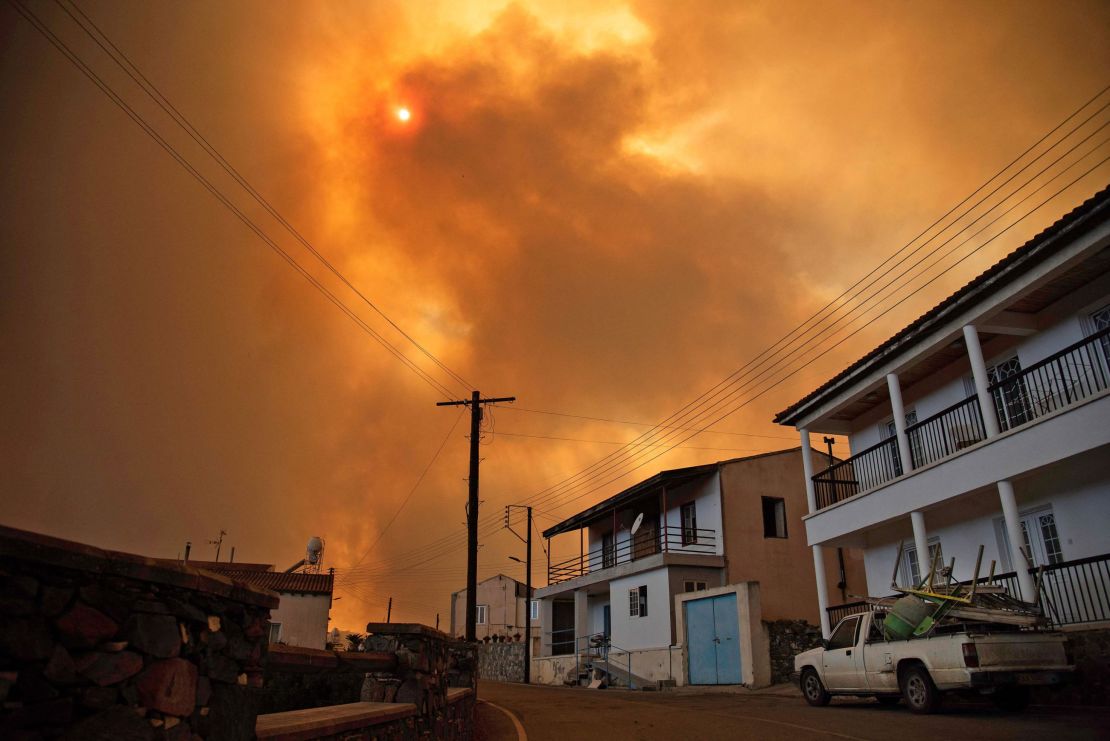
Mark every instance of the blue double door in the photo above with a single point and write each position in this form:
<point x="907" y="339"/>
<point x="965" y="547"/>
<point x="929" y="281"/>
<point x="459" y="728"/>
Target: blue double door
<point x="713" y="640"/>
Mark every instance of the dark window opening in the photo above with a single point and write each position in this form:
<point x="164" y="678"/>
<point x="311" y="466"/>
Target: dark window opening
<point x="774" y="517"/>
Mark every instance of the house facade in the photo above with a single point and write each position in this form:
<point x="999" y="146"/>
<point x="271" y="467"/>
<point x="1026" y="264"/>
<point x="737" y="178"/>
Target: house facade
<point x="678" y="571"/>
<point x="501" y="603"/>
<point x="986" y="422"/>
<point x="301" y="618"/>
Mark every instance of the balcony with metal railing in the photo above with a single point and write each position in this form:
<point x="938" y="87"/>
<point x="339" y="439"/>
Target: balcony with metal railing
<point x="646" y="543"/>
<point x="1072" y="375"/>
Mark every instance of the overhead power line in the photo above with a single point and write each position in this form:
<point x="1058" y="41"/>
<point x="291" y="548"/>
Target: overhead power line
<point x="640" y="443"/>
<point x="636" y="424"/>
<point x="214" y="190"/>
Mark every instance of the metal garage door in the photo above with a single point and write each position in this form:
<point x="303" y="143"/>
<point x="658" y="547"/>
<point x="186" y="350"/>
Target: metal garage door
<point x="713" y="640"/>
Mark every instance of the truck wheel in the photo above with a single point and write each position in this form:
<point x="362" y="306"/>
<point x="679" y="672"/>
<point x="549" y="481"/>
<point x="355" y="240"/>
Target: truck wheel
<point x="813" y="690"/>
<point x="919" y="692"/>
<point x="1011" y="699"/>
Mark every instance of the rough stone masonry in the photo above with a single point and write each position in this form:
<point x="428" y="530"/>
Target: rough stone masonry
<point x="97" y="644"/>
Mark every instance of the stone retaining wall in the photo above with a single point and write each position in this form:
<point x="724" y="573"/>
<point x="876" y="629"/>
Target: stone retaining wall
<point x="1090" y="650"/>
<point x="501" y="662"/>
<point x="99" y="644"/>
<point x="787" y="639"/>
<point x="297" y="678"/>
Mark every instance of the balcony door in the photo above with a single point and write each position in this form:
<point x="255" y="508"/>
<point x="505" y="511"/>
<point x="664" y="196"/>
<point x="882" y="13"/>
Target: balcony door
<point x="1010" y="392"/>
<point x="1039" y="535"/>
<point x="646" y="540"/>
<point x="914" y="439"/>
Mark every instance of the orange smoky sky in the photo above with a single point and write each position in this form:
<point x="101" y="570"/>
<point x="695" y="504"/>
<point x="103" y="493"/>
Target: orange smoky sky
<point x="600" y="208"/>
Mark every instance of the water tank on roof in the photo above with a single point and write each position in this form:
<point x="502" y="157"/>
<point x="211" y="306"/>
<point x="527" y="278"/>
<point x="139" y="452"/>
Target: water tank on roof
<point x="315" y="550"/>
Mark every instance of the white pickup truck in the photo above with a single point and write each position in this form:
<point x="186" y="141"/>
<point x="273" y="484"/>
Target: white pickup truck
<point x="997" y="661"/>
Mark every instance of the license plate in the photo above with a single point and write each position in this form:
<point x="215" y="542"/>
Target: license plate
<point x="1036" y="678"/>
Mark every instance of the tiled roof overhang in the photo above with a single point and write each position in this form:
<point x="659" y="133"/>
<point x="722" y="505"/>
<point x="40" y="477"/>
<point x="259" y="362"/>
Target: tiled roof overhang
<point x="1088" y="216"/>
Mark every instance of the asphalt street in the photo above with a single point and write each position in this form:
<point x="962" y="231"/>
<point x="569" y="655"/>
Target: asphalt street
<point x="561" y="713"/>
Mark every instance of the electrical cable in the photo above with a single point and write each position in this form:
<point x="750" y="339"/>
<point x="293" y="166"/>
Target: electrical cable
<point x="132" y="70"/>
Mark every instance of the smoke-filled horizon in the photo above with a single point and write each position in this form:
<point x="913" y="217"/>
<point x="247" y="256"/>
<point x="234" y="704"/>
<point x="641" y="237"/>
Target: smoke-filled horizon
<point x="603" y="209"/>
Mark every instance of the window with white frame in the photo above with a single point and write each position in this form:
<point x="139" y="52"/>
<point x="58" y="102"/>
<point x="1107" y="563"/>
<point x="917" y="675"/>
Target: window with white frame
<point x="275" y="632"/>
<point x="689" y="524"/>
<point x="1010" y="392"/>
<point x="1040" y="538"/>
<point x="910" y="574"/>
<point x="637" y="602"/>
<point x="534" y="609"/>
<point x="1100" y="320"/>
<point x="481" y="614"/>
<point x="917" y="453"/>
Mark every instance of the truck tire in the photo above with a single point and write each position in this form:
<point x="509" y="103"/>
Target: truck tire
<point x="812" y="689"/>
<point x="1011" y="699"/>
<point x="918" y="690"/>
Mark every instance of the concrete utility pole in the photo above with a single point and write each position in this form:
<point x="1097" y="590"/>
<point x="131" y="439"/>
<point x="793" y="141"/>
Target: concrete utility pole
<point x="475" y="403"/>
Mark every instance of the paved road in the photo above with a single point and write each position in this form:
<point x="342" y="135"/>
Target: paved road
<point x="559" y="713"/>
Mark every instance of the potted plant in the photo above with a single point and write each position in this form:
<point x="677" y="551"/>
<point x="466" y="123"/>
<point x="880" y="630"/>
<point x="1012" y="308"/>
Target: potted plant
<point x="516" y="636"/>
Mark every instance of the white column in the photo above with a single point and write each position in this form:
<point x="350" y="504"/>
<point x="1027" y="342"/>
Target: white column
<point x="822" y="590"/>
<point x="899" y="421"/>
<point x="982" y="383"/>
<point x="1013" y="532"/>
<point x="581" y="614"/>
<point x="807" y="468"/>
<point x="921" y="543"/>
<point x="546" y="625"/>
<point x="818" y="554"/>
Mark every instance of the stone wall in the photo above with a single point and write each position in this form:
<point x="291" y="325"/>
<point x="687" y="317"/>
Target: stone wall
<point x="297" y="678"/>
<point x="1090" y="649"/>
<point x="98" y="644"/>
<point x="501" y="662"/>
<point x="787" y="639"/>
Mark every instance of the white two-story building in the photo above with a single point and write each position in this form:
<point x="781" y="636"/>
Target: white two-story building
<point x="984" y="422"/>
<point x="676" y="574"/>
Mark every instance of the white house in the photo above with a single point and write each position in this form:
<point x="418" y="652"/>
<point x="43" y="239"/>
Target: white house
<point x="301" y="619"/>
<point x="675" y="574"/>
<point x="500" y="605"/>
<point x="984" y="422"/>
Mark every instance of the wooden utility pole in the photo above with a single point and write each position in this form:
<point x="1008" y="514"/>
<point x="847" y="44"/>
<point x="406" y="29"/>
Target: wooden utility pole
<point x="528" y="607"/>
<point x="475" y="403"/>
<point x="527" y="585"/>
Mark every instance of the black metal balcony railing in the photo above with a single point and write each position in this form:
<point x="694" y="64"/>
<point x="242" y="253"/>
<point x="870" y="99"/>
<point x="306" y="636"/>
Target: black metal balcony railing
<point x="1073" y="374"/>
<point x="1072" y="592"/>
<point x="1077" y="372"/>
<point x="641" y="545"/>
<point x="865" y="470"/>
<point x="947" y="432"/>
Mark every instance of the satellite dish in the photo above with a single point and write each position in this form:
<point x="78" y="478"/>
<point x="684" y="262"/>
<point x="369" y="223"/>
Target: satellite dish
<point x="637" y="522"/>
